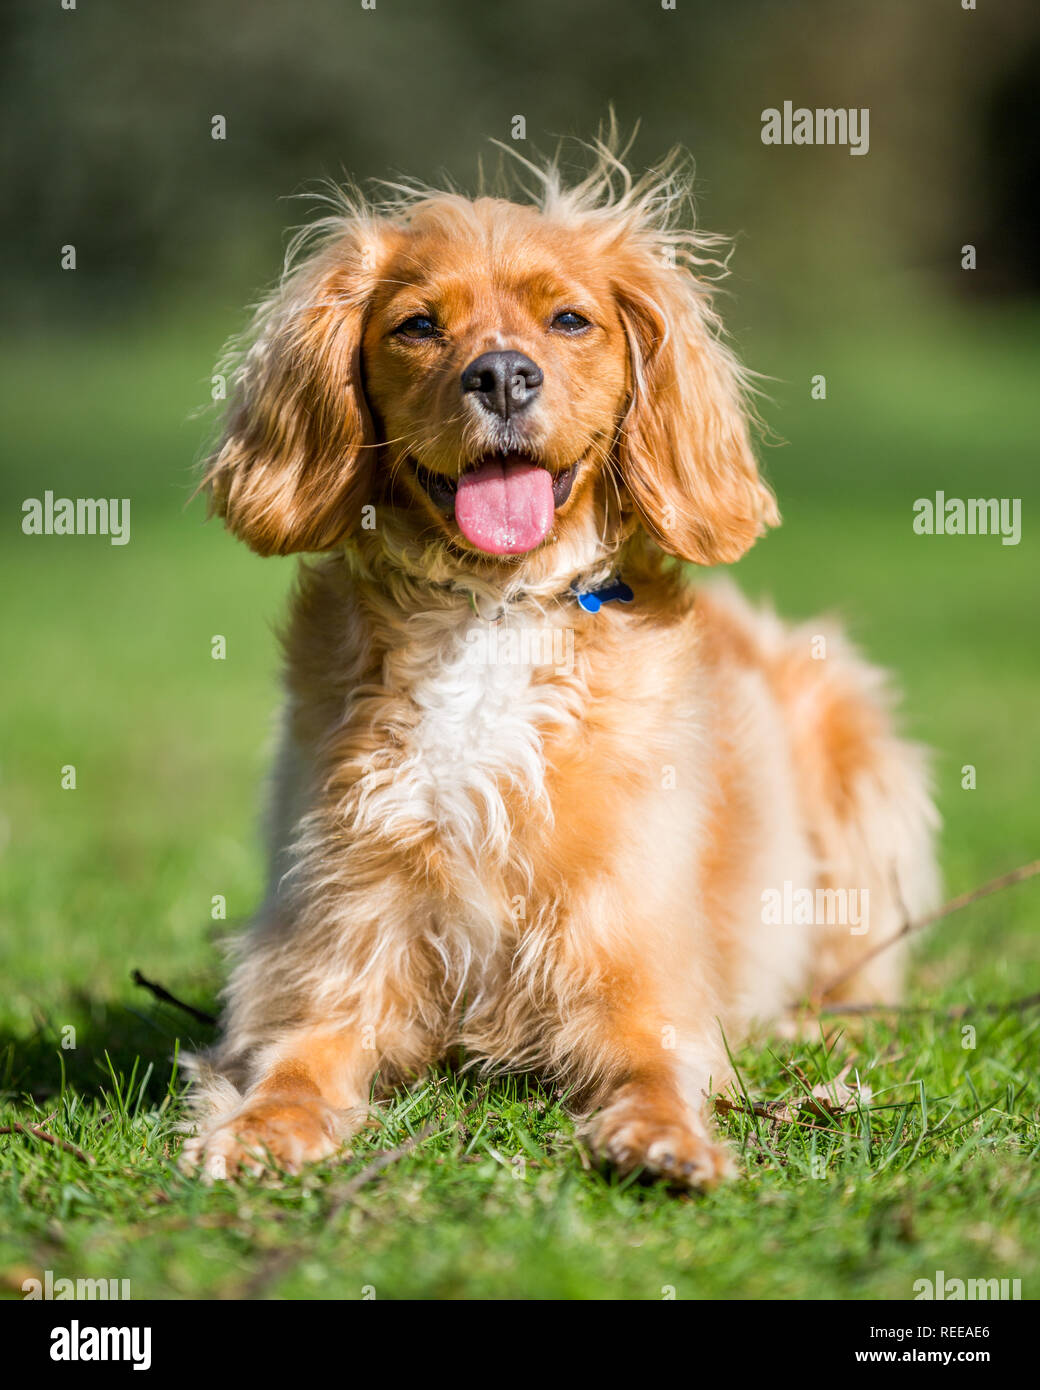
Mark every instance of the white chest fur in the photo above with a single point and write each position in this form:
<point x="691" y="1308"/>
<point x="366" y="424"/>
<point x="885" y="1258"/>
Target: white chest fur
<point x="482" y="695"/>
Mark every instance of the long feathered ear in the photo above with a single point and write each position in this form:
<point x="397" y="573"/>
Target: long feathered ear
<point x="685" y="455"/>
<point x="295" y="463"/>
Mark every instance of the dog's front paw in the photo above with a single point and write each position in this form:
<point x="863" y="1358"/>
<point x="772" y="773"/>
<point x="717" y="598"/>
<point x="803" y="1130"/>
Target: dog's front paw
<point x="277" y="1133"/>
<point x="638" y="1133"/>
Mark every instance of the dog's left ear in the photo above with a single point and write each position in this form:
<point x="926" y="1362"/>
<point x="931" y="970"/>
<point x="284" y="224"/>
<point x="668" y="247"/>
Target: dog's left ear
<point x="684" y="452"/>
<point x="295" y="464"/>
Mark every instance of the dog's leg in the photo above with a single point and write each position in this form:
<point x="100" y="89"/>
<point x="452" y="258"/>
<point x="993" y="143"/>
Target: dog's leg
<point x="307" y="1095"/>
<point x="649" y="1123"/>
<point x="647" y="1053"/>
<point x="319" y="1004"/>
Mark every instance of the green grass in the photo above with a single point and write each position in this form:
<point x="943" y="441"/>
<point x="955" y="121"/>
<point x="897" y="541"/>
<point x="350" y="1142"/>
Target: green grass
<point x="108" y="668"/>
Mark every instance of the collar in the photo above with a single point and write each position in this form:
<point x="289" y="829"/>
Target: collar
<point x="588" y="600"/>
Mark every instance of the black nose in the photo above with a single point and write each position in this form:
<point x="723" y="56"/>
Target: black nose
<point x="504" y="382"/>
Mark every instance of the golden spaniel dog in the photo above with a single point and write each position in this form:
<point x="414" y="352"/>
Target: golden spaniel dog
<point x="540" y="797"/>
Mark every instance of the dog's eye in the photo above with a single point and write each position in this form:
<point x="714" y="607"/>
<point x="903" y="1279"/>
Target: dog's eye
<point x="418" y="326"/>
<point x="570" y="321"/>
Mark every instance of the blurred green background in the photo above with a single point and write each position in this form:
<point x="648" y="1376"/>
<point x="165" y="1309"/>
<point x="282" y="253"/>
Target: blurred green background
<point x="845" y="266"/>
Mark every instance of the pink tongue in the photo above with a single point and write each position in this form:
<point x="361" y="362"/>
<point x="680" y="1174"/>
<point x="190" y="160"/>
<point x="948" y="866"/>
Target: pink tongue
<point x="505" y="508"/>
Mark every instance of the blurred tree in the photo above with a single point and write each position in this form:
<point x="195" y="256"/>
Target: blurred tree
<point x="108" y="112"/>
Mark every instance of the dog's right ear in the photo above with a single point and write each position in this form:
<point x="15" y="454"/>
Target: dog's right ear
<point x="295" y="464"/>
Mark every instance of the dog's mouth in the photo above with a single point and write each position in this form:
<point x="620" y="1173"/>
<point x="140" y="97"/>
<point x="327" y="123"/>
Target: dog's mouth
<point x="503" y="504"/>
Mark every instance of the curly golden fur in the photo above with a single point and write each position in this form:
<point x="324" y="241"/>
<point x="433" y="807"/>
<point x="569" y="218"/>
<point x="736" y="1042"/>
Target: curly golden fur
<point x="502" y="823"/>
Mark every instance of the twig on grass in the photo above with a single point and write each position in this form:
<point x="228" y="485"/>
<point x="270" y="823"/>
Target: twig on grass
<point x="372" y="1170"/>
<point x="47" y="1138"/>
<point x="164" y="994"/>
<point x="280" y="1262"/>
<point x="1028" y="1001"/>
<point x="995" y="885"/>
<point x="768" y="1110"/>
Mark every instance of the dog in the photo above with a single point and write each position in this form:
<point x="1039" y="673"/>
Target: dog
<point x="536" y="786"/>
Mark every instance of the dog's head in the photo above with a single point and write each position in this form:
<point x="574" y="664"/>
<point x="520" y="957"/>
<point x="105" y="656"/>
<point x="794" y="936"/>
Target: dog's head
<point x="517" y="385"/>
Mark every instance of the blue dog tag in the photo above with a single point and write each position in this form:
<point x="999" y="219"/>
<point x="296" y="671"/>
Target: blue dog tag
<point x="594" y="599"/>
